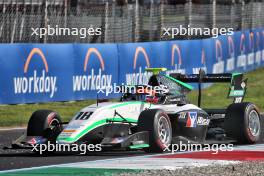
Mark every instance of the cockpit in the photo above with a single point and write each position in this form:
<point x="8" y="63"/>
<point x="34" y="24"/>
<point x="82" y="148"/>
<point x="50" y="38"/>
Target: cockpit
<point x="160" y="90"/>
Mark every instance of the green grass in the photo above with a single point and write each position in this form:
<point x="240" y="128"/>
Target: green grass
<point x="18" y="115"/>
<point x="212" y="97"/>
<point x="61" y="171"/>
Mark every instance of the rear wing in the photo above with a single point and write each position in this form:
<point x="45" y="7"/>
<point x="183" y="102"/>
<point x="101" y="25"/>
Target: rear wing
<point x="204" y="78"/>
<point x="237" y="89"/>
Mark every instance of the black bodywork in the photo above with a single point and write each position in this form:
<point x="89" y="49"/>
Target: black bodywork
<point x="213" y="132"/>
<point x="209" y="126"/>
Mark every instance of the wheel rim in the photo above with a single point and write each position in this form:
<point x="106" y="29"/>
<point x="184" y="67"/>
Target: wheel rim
<point x="164" y="130"/>
<point x="254" y="123"/>
<point x="54" y="123"/>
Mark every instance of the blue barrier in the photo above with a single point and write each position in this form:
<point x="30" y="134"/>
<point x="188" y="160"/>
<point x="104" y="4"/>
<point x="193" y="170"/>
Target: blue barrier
<point x="32" y="73"/>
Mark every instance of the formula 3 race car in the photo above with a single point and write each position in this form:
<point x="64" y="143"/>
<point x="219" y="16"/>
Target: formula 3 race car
<point x="152" y="119"/>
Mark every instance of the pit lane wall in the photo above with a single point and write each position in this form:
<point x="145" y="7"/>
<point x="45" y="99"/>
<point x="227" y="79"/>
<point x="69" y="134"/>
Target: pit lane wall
<point x="32" y="73"/>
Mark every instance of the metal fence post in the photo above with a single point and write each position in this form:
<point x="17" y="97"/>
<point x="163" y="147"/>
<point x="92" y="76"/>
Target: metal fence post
<point x="214" y="14"/>
<point x="106" y="21"/>
<point x="161" y="18"/>
<point x="242" y="15"/>
<point x="3" y="20"/>
<point x="132" y="19"/>
<point x="65" y="12"/>
<point x="137" y="22"/>
<point x="46" y="20"/>
<point x="232" y="13"/>
<point x="113" y="31"/>
<point x="151" y="16"/>
<point x="22" y="21"/>
<point x="15" y="22"/>
<point x="252" y="16"/>
<point x="188" y="15"/>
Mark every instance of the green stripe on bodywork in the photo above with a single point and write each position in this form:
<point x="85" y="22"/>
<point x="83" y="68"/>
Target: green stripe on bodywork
<point x="235" y="74"/>
<point x="180" y="82"/>
<point x="95" y="125"/>
<point x="104" y="121"/>
<point x="122" y="120"/>
<point x="127" y="103"/>
<point x="139" y="146"/>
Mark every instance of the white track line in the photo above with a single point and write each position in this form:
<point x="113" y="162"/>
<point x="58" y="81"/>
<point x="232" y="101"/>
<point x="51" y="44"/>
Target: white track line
<point x="67" y="164"/>
<point x="11" y="129"/>
<point x="102" y="161"/>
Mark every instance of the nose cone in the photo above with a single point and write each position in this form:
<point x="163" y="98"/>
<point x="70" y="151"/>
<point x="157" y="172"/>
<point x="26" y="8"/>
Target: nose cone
<point x="66" y="136"/>
<point x="91" y="118"/>
<point x="71" y="132"/>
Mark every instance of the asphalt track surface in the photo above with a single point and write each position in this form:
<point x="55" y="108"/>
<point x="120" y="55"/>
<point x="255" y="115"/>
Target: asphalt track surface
<point x="16" y="159"/>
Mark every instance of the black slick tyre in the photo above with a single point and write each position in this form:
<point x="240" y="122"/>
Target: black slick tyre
<point x="243" y="123"/>
<point x="45" y="123"/>
<point x="158" y="124"/>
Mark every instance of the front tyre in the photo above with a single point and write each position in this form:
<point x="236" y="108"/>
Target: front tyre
<point x="243" y="123"/>
<point x="158" y="124"/>
<point x="45" y="123"/>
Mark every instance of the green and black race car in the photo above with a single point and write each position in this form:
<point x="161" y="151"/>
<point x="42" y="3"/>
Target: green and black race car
<point x="153" y="120"/>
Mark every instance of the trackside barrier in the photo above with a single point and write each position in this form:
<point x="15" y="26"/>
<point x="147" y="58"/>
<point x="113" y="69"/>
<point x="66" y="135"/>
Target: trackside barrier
<point x="31" y="73"/>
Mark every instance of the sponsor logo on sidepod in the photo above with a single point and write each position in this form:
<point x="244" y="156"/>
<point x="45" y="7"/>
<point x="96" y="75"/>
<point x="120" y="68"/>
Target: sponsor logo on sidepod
<point x="192" y="119"/>
<point x="38" y="83"/>
<point x="92" y="81"/>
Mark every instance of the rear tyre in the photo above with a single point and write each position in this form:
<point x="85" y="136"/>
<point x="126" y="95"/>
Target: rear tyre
<point x="158" y="124"/>
<point x="244" y="123"/>
<point x="45" y="123"/>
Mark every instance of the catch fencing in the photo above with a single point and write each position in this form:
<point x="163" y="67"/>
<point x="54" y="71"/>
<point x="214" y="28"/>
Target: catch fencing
<point x="129" y="22"/>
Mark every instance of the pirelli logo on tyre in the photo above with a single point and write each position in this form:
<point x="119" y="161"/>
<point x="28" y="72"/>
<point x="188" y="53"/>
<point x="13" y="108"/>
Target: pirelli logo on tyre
<point x="36" y="82"/>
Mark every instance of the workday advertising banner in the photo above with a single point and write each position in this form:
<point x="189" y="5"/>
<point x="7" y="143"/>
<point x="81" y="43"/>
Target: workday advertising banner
<point x="133" y="59"/>
<point x="35" y="73"/>
<point x="31" y="73"/>
<point x="185" y="57"/>
<point x="95" y="71"/>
